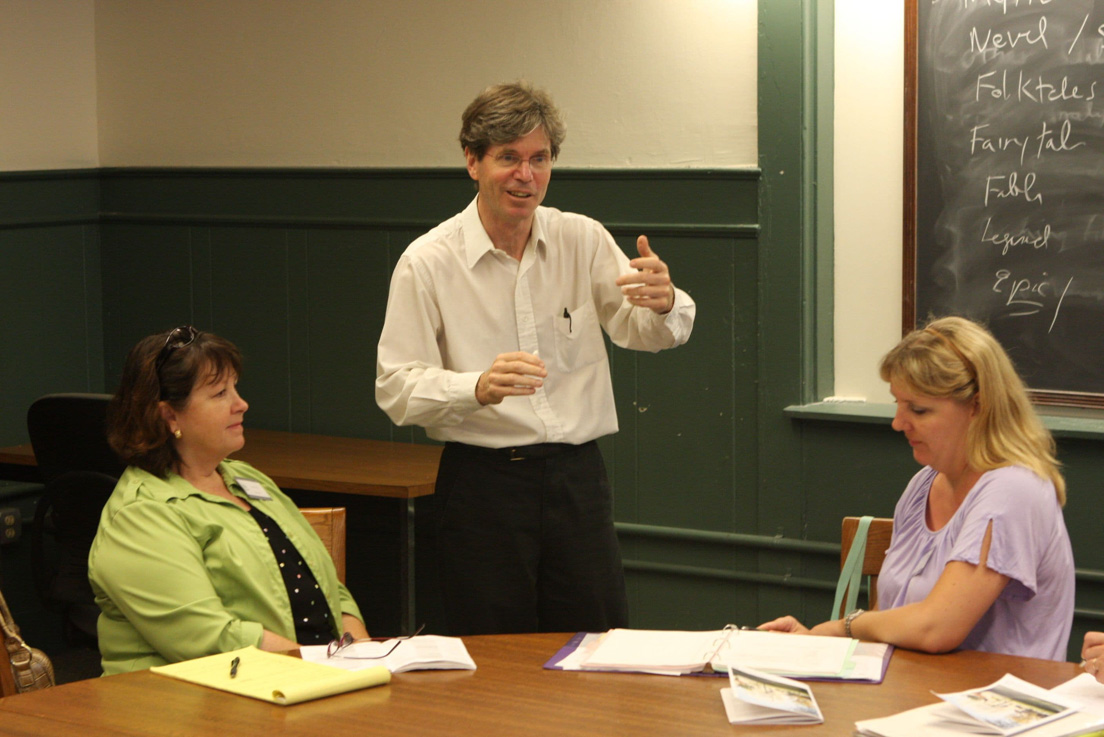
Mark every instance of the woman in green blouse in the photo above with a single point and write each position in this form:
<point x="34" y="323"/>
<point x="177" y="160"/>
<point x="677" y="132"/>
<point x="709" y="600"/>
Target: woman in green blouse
<point x="197" y="554"/>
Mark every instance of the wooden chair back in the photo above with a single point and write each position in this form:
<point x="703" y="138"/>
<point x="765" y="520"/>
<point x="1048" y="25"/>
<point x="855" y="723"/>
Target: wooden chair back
<point x="329" y="523"/>
<point x="877" y="542"/>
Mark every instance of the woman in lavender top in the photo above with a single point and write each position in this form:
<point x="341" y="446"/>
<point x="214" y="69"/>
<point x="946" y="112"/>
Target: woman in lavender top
<point x="980" y="558"/>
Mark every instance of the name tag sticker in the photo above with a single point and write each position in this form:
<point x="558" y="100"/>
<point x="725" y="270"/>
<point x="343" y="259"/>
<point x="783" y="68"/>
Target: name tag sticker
<point x="253" y="489"/>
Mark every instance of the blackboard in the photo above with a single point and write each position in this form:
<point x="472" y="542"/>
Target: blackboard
<point x="1004" y="181"/>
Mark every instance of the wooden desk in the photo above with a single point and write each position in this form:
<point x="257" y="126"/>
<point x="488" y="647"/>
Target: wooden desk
<point x="509" y="694"/>
<point x="322" y="463"/>
<point x="17" y="463"/>
<point x="342" y="465"/>
<point x="18" y="455"/>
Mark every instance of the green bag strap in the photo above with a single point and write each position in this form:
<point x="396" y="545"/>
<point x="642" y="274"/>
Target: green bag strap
<point x="851" y="574"/>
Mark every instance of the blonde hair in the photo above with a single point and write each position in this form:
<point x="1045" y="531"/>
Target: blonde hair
<point x="955" y="358"/>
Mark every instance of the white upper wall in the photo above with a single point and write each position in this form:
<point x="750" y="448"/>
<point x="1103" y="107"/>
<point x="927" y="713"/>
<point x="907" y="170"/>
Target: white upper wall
<point x="642" y="83"/>
<point x="869" y="184"/>
<point x="47" y="85"/>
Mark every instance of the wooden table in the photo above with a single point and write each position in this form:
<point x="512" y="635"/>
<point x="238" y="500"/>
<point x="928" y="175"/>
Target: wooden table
<point x="509" y="694"/>
<point x="17" y="463"/>
<point x="322" y="463"/>
<point x="343" y="465"/>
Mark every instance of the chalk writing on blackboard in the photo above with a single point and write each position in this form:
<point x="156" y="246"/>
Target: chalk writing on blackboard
<point x="1007" y="183"/>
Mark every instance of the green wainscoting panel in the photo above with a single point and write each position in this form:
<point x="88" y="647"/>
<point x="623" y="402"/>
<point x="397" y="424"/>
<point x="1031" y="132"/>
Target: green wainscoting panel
<point x="860" y="471"/>
<point x="51" y="319"/>
<point x="694" y="199"/>
<point x="49" y="198"/>
<point x="248" y="294"/>
<point x="710" y="576"/>
<point x="148" y="286"/>
<point x="347" y="272"/>
<point x="683" y="396"/>
<point x="1083" y="466"/>
<point x="694" y="602"/>
<point x="304" y="197"/>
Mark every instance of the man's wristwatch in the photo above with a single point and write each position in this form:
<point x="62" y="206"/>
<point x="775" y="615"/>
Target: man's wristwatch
<point x="851" y="617"/>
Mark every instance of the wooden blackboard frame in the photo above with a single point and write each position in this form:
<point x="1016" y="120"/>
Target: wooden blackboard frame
<point x="910" y="233"/>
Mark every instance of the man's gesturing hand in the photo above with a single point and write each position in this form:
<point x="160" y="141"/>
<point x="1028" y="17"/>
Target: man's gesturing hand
<point x="511" y="374"/>
<point x="651" y="285"/>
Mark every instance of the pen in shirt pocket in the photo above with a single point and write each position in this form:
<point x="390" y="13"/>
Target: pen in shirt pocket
<point x="567" y="315"/>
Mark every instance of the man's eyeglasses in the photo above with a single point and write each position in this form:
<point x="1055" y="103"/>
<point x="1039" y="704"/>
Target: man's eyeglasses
<point x="539" y="163"/>
<point x="177" y="338"/>
<point x="337" y="647"/>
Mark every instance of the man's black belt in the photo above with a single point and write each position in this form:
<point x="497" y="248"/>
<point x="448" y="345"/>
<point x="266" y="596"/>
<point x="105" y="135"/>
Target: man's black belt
<point x="520" y="452"/>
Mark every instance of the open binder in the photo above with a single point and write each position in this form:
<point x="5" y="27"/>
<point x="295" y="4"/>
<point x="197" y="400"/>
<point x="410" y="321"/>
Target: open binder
<point x="679" y="652"/>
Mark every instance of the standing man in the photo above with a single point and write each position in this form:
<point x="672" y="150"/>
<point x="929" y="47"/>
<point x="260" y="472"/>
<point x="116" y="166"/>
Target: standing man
<point x="493" y="342"/>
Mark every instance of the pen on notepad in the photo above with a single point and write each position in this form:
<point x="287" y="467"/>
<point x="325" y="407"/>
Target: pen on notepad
<point x="234" y="666"/>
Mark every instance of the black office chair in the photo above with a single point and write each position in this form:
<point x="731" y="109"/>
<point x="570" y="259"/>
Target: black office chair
<point x="69" y="437"/>
<point x="69" y="433"/>
<point x="69" y="512"/>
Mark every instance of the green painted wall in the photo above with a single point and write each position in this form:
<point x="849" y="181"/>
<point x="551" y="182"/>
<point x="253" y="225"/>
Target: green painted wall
<point x="51" y="317"/>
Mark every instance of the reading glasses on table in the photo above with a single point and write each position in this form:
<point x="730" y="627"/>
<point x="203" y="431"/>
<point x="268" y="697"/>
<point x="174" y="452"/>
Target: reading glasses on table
<point x="337" y="648"/>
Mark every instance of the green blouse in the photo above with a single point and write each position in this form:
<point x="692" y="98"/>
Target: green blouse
<point x="179" y="573"/>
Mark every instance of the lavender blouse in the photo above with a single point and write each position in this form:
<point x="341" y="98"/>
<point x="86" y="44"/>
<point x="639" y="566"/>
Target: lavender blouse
<point x="1033" y="615"/>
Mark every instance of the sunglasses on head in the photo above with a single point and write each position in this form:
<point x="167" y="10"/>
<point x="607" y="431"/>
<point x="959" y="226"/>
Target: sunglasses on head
<point x="179" y="337"/>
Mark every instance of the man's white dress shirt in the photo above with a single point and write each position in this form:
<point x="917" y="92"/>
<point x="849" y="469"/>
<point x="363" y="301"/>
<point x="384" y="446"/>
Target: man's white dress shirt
<point x="456" y="303"/>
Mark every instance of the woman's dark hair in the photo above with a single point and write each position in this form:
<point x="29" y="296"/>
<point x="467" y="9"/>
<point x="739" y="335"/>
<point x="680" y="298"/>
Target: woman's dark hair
<point x="163" y="367"/>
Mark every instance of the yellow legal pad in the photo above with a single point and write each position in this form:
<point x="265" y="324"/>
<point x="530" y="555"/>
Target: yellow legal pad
<point x="279" y="679"/>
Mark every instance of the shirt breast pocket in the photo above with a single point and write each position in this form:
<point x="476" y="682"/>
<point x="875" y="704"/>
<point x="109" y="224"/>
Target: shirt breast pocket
<point x="578" y="338"/>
